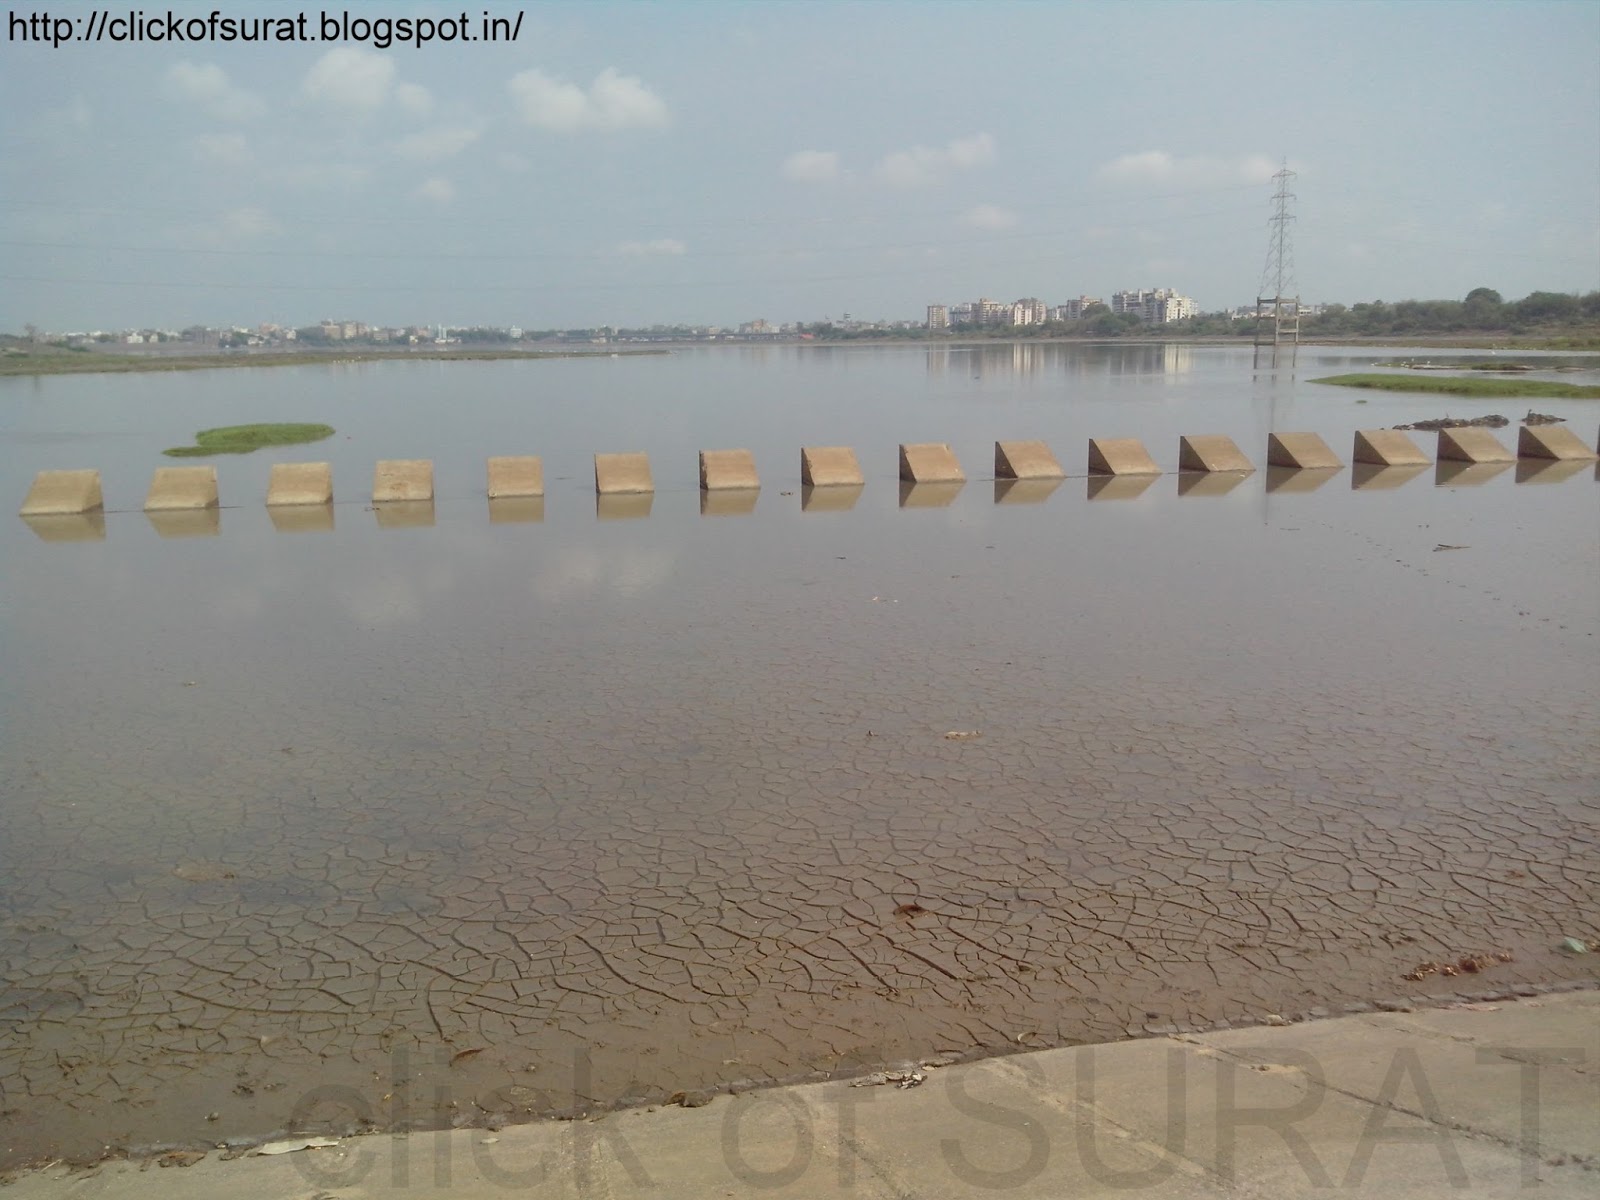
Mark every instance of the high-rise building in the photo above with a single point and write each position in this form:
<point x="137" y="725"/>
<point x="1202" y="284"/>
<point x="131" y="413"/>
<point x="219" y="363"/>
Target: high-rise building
<point x="938" y="316"/>
<point x="1154" y="306"/>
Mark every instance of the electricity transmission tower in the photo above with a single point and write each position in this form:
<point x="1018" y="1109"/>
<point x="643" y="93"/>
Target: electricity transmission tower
<point x="1277" y="305"/>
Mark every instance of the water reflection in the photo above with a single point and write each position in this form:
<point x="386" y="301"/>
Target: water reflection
<point x="69" y="527"/>
<point x="929" y="495"/>
<point x="301" y="518"/>
<point x="1370" y="477"/>
<point x="404" y="514"/>
<point x="728" y="502"/>
<point x="513" y="510"/>
<point x="1451" y="473"/>
<point x="1025" y="491"/>
<point x="1551" y="470"/>
<point x="623" y="506"/>
<point x="1119" y="487"/>
<point x="1210" y="483"/>
<point x="1077" y="359"/>
<point x="830" y="499"/>
<point x="185" y="522"/>
<point x="1299" y="479"/>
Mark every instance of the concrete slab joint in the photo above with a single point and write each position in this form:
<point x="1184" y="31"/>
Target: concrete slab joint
<point x="58" y="492"/>
<point x="402" y="479"/>
<point x="626" y="473"/>
<point x="1472" y="445"/>
<point x="300" y="483"/>
<point x="182" y="487"/>
<point x="516" y="475"/>
<point x="1551" y="441"/>
<point x="728" y="469"/>
<point x="929" y="462"/>
<point x="1120" y="456"/>
<point x="1025" y="460"/>
<point x="1387" y="448"/>
<point x="1303" y="451"/>
<point x="1211" y="452"/>
<point x="829" y="466"/>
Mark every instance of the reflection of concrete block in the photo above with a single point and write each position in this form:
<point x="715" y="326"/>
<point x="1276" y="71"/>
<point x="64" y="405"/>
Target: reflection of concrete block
<point x="1119" y="487"/>
<point x="841" y="498"/>
<point x="622" y="473"/>
<point x="69" y="527"/>
<point x="1551" y="441"/>
<point x="404" y="514"/>
<point x="1299" y="479"/>
<point x="1211" y="452"/>
<point x="1365" y="476"/>
<point x="1120" y="456"/>
<point x="301" y="518"/>
<point x="63" y="492"/>
<point x="1387" y="448"/>
<point x="929" y="462"/>
<point x="182" y="487"/>
<point x="1024" y="491"/>
<point x="623" y="506"/>
<point x="300" y="483"/>
<point x="517" y="475"/>
<point x="1529" y="470"/>
<point x="185" y="522"/>
<point x="829" y="466"/>
<point x="1025" y="460"/>
<point x="516" y="510"/>
<point x="929" y="495"/>
<point x="1304" y="450"/>
<point x="728" y="502"/>
<point x="1472" y="445"/>
<point x="728" y="469"/>
<point x="1209" y="483"/>
<point x="402" y="479"/>
<point x="1455" y="473"/>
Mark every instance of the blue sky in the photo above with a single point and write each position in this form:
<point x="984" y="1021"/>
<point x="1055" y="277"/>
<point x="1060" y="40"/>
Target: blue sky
<point x="708" y="162"/>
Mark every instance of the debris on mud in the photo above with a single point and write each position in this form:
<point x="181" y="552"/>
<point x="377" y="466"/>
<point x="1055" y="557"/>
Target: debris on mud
<point x="1492" y="421"/>
<point x="292" y="1144"/>
<point x="1574" y="946"/>
<point x="902" y="1079"/>
<point x="956" y="735"/>
<point x="463" y="1055"/>
<point x="180" y="1158"/>
<point x="1467" y="964"/>
<point x="696" y="1099"/>
<point x="909" y="910"/>
<point x="1448" y="546"/>
<point x="203" y="872"/>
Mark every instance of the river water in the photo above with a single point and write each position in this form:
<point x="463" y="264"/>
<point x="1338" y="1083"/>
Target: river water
<point x="470" y="814"/>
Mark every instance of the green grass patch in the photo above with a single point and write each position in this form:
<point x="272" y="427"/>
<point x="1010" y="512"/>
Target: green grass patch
<point x="241" y="439"/>
<point x="1451" y="385"/>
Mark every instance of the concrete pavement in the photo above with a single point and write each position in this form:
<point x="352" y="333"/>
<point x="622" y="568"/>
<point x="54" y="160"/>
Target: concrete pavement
<point x="1482" y="1099"/>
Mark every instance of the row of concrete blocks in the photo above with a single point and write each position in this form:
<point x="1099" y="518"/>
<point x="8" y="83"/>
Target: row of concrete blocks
<point x="57" y="492"/>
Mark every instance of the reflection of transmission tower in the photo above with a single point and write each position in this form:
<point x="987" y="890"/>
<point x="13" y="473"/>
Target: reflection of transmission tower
<point x="1277" y="310"/>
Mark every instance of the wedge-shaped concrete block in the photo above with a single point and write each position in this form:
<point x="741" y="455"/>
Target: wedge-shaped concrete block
<point x="300" y="483"/>
<point x="1120" y="456"/>
<point x="929" y="462"/>
<point x="1306" y="451"/>
<point x="1211" y="452"/>
<point x="1551" y="441"/>
<point x="1472" y="445"/>
<point x="182" y="487"/>
<point x="409" y="479"/>
<point x="59" y="492"/>
<point x="1025" y="460"/>
<point x="728" y="469"/>
<point x="622" y="474"/>
<point x="829" y="466"/>
<point x="1387" y="448"/>
<point x="516" y="475"/>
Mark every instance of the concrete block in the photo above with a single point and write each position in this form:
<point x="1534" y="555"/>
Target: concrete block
<point x="516" y="510"/>
<point x="1290" y="480"/>
<point x="1306" y="451"/>
<point x="516" y="475"/>
<point x="1453" y="473"/>
<point x="69" y="527"/>
<point x="1365" y="476"/>
<point x="1211" y="452"/>
<point x="300" y="483"/>
<point x="182" y="487"/>
<point x="623" y="506"/>
<point x="837" y="498"/>
<point x="929" y="495"/>
<point x="622" y="474"/>
<point x="1024" y="491"/>
<point x="1120" y="456"/>
<point x="408" y="479"/>
<point x="829" y="466"/>
<point x="929" y="462"/>
<point x="185" y="522"/>
<point x="1387" y="448"/>
<point x="728" y="469"/>
<point x="1025" y="460"/>
<point x="1209" y="483"/>
<point x="58" y="492"/>
<point x="1119" y="487"/>
<point x="728" y="502"/>
<point x="1551" y="441"/>
<point x="1550" y="470"/>
<point x="404" y="514"/>
<point x="1472" y="445"/>
<point x="301" y="518"/>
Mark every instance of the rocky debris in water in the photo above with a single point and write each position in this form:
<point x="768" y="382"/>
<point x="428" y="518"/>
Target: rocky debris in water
<point x="1467" y="964"/>
<point x="1534" y="418"/>
<point x="1492" y="421"/>
<point x="695" y="1099"/>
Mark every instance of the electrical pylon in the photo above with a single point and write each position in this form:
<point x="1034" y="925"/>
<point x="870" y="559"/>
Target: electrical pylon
<point x="1277" y="304"/>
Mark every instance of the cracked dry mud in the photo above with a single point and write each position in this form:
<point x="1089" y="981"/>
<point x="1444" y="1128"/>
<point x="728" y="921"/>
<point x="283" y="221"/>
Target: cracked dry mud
<point x="537" y="846"/>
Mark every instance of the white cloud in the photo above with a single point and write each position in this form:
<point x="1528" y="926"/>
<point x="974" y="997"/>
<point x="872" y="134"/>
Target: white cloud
<point x="811" y="166"/>
<point x="991" y="216"/>
<point x="660" y="247"/>
<point x="362" y="81"/>
<point x="223" y="149"/>
<point x="921" y="166"/>
<point x="613" y="101"/>
<point x="1199" y="170"/>
<point x="436" y="191"/>
<point x="207" y="86"/>
<point x="432" y="145"/>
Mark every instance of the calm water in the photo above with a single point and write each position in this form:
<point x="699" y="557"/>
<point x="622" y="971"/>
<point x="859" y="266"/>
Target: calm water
<point x="629" y="806"/>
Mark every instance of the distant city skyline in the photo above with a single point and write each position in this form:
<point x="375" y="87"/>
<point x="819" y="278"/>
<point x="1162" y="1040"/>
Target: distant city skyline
<point x="718" y="163"/>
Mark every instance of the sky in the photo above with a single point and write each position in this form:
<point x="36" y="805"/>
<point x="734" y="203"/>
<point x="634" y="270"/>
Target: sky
<point x="632" y="164"/>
